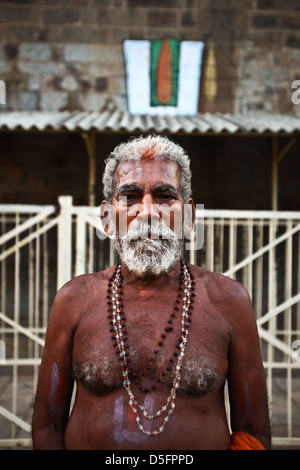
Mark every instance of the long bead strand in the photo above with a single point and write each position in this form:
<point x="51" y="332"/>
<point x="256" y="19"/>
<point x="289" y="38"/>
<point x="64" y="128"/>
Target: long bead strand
<point x="120" y="342"/>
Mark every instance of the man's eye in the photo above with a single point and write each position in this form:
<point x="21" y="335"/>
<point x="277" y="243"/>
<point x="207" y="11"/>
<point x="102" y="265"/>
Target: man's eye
<point x="165" y="196"/>
<point x="130" y="197"/>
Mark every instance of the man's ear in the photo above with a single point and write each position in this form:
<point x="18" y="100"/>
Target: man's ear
<point x="107" y="218"/>
<point x="189" y="216"/>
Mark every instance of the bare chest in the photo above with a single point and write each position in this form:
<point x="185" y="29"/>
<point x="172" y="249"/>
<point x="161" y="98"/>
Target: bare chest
<point x="97" y="367"/>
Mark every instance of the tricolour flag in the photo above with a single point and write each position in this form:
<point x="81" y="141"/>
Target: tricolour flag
<point x="163" y="76"/>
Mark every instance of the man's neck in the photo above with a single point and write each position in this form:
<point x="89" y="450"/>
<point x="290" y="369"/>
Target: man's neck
<point x="151" y="281"/>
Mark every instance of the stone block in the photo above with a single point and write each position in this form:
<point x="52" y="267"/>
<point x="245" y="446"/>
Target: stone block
<point x="2" y="54"/>
<point x="120" y="102"/>
<point x="188" y="19"/>
<point x="11" y="51"/>
<point x="62" y="15"/>
<point x="153" y="3"/>
<point x="21" y="100"/>
<point x="42" y="68"/>
<point x="122" y="17"/>
<point x="117" y="85"/>
<point x="78" y="34"/>
<point x="19" y="13"/>
<point x="293" y="40"/>
<point x="18" y="32"/>
<point x="101" y="84"/>
<point x="163" y="19"/>
<point x="35" y="51"/>
<point x="92" y="101"/>
<point x="69" y="83"/>
<point x="278" y="5"/>
<point x="82" y="53"/>
<point x="4" y="67"/>
<point x="102" y="54"/>
<point x="276" y="21"/>
<point x="53" y="100"/>
<point x="34" y="83"/>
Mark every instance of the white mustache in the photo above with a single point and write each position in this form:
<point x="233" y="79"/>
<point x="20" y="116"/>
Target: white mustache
<point x="151" y="231"/>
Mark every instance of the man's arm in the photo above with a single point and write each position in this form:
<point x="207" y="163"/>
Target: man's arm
<point x="246" y="376"/>
<point x="55" y="383"/>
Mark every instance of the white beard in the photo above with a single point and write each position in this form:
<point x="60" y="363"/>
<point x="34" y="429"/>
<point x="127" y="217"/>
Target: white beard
<point x="152" y="256"/>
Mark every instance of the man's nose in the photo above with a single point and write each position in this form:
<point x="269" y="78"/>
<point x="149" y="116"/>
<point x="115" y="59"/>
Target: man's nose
<point x="148" y="209"/>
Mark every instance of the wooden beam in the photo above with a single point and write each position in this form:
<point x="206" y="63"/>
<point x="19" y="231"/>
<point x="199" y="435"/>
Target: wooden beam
<point x="90" y="142"/>
<point x="274" y="175"/>
<point x="276" y="158"/>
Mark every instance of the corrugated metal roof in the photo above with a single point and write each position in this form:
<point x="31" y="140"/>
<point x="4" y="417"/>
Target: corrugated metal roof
<point x="119" y="121"/>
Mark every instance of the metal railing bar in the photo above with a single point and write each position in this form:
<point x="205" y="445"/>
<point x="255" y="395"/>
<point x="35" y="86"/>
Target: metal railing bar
<point x="26" y="225"/>
<point x="15" y="419"/>
<point x="280" y="308"/>
<point x="23" y="208"/>
<point x="277" y="343"/>
<point x="262" y="250"/>
<point x="240" y="214"/>
<point x="29" y="238"/>
<point x="22" y="330"/>
<point x="15" y="442"/>
<point x="21" y="362"/>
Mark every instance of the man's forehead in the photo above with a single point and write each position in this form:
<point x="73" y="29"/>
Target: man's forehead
<point x="147" y="171"/>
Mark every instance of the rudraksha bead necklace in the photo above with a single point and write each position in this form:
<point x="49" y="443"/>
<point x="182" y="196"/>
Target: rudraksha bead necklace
<point x="120" y="341"/>
<point x="118" y="331"/>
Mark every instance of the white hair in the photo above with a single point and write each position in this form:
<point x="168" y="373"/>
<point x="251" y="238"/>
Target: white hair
<point x="149" y="256"/>
<point x="157" y="147"/>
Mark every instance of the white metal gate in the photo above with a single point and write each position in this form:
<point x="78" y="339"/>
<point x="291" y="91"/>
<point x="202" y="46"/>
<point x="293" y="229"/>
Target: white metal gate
<point x="25" y="289"/>
<point x="42" y="247"/>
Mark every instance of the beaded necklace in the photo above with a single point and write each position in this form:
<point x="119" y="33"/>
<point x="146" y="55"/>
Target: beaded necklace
<point x="117" y="322"/>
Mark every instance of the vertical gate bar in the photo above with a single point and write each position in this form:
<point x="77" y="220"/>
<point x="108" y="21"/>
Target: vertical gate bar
<point x="111" y="254"/>
<point x="3" y="275"/>
<point x="297" y="326"/>
<point x="30" y="291"/>
<point x="192" y="250"/>
<point x="217" y="246"/>
<point x="259" y="272"/>
<point x="289" y="400"/>
<point x="210" y="245"/>
<point x="45" y="281"/>
<point x="288" y="321"/>
<point x="249" y="253"/>
<point x="221" y="246"/>
<point x="271" y="301"/>
<point x="232" y="245"/>
<point x="16" y="333"/>
<point x="100" y="251"/>
<point x="91" y="257"/>
<point x="81" y="242"/>
<point x="37" y="295"/>
<point x="288" y="284"/>
<point x="64" y="249"/>
<point x="272" y="287"/>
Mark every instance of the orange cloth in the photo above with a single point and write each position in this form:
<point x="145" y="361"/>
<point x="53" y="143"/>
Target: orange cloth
<point x="240" y="440"/>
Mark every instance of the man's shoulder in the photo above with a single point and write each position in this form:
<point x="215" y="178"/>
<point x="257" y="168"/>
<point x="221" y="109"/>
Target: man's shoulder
<point x="81" y="290"/>
<point x="76" y="297"/>
<point x="226" y="296"/>
<point x="219" y="287"/>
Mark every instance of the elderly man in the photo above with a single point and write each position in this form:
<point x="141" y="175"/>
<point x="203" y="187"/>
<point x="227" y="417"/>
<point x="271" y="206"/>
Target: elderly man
<point x="152" y="341"/>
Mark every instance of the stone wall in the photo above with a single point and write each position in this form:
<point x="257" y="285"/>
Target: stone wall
<point x="58" y="55"/>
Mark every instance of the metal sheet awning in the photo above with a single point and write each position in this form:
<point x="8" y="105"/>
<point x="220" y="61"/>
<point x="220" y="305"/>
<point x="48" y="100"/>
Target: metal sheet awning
<point x="122" y="121"/>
